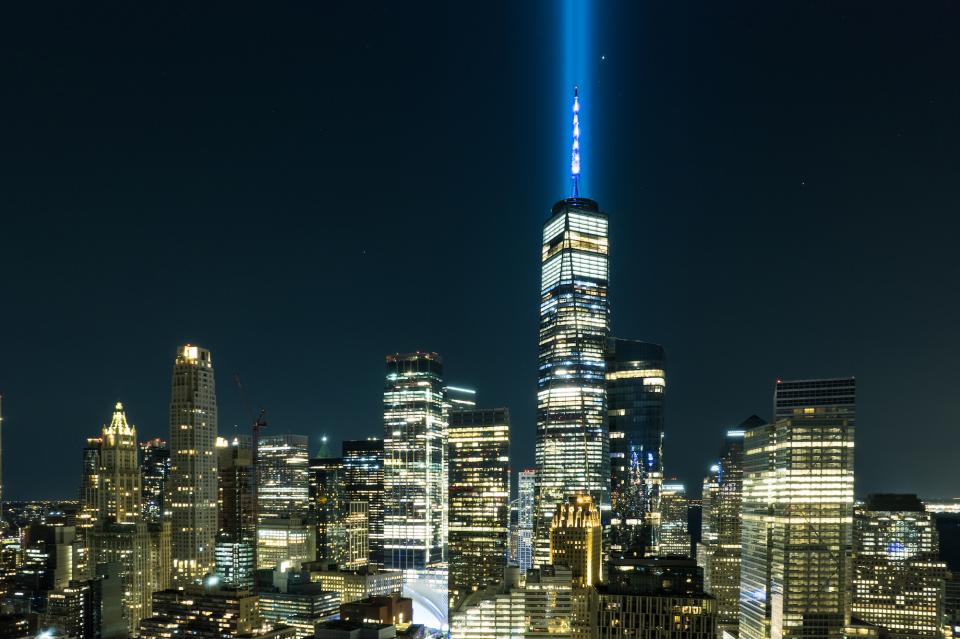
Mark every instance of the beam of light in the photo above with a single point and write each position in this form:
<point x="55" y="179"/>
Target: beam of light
<point x="576" y="42"/>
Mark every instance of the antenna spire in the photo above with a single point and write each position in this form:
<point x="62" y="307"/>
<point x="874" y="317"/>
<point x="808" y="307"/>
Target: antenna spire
<point x="575" y="153"/>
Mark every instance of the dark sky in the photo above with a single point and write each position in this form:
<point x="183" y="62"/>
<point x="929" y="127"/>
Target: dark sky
<point x="305" y="187"/>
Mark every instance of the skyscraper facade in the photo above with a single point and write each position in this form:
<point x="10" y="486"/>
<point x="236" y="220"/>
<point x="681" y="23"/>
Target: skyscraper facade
<point x="119" y="491"/>
<point x="636" y="390"/>
<point x="576" y="539"/>
<point x="572" y="448"/>
<point x="236" y="520"/>
<point x="526" y="488"/>
<point x="283" y="476"/>
<point x="192" y="495"/>
<point x="154" y="471"/>
<point x="479" y="507"/>
<point x="330" y="509"/>
<point x="414" y="442"/>
<point x="798" y="513"/>
<point x="898" y="579"/>
<point x="363" y="482"/>
<point x="674" y="529"/>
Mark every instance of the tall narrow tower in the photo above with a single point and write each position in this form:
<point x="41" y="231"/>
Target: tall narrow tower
<point x="193" y="464"/>
<point x="572" y="449"/>
<point x="119" y="494"/>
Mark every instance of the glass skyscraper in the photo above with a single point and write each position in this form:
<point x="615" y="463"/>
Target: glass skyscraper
<point x="154" y="471"/>
<point x="363" y="482"/>
<point x="572" y="448"/>
<point x="798" y="514"/>
<point x="193" y="465"/>
<point x="479" y="508"/>
<point x="414" y="442"/>
<point x="526" y="484"/>
<point x="636" y="390"/>
<point x="283" y="476"/>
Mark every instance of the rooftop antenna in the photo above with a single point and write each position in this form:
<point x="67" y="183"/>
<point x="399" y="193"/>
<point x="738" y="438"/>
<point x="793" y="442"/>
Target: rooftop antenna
<point x="575" y="152"/>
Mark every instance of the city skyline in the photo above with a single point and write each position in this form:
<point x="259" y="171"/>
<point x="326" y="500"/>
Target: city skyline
<point x="725" y="349"/>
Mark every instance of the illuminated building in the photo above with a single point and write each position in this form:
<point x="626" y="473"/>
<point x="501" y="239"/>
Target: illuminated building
<point x="414" y="442"/>
<point x="283" y="472"/>
<point x="624" y="614"/>
<point x="719" y="550"/>
<point x="541" y="607"/>
<point x="636" y="392"/>
<point x="328" y="497"/>
<point x="89" y="491"/>
<point x="119" y="490"/>
<point x="203" y="614"/>
<point x="363" y="481"/>
<point x="290" y="598"/>
<point x="154" y="471"/>
<point x="287" y="542"/>
<point x="235" y="563"/>
<point x="236" y="515"/>
<point x="898" y="579"/>
<point x="575" y="539"/>
<point x="526" y="486"/>
<point x="572" y="448"/>
<point x="479" y="507"/>
<point x="390" y="609"/>
<point x="353" y="585"/>
<point x="358" y="535"/>
<point x="674" y="532"/>
<point x="193" y="465"/>
<point x="798" y="513"/>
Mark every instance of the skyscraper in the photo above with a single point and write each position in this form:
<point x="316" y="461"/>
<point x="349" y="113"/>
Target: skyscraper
<point x="898" y="579"/>
<point x="719" y="552"/>
<point x="154" y="471"/>
<point x="363" y="481"/>
<point x="526" y="487"/>
<point x="237" y="526"/>
<point x="798" y="513"/>
<point x="330" y="509"/>
<point x="192" y="495"/>
<point x="636" y="390"/>
<point x="575" y="539"/>
<point x="119" y="490"/>
<point x="414" y="439"/>
<point x="572" y="447"/>
<point x="479" y="508"/>
<point x="283" y="476"/>
<point x="674" y="530"/>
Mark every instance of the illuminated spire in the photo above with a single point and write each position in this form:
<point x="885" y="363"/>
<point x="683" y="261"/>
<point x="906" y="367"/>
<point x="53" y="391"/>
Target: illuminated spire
<point x="118" y="425"/>
<point x="575" y="154"/>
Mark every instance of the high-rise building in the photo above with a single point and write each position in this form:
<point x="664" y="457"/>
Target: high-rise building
<point x="798" y="513"/>
<point x="283" y="476"/>
<point x="358" y="535"/>
<point x="479" y="507"/>
<point x="192" y="493"/>
<point x="204" y="614"/>
<point x="154" y="471"/>
<point x="330" y="509"/>
<point x="236" y="516"/>
<point x="898" y="579"/>
<point x="363" y="482"/>
<point x="526" y="487"/>
<point x="719" y="550"/>
<point x="674" y="529"/>
<point x="289" y="597"/>
<point x="287" y="542"/>
<point x="119" y="491"/>
<point x="355" y="584"/>
<point x="576" y="539"/>
<point x="414" y="442"/>
<point x="636" y="391"/>
<point x="572" y="448"/>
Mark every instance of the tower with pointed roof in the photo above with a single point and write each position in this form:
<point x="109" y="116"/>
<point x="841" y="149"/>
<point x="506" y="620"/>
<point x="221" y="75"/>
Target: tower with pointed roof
<point x="119" y="491"/>
<point x="572" y="447"/>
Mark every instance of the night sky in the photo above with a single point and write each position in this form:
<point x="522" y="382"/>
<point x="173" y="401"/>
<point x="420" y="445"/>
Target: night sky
<point x="306" y="187"/>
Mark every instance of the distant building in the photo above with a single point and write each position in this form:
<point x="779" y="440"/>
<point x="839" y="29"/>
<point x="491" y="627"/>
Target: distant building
<point x="576" y="539"/>
<point x="193" y="465"/>
<point x="90" y="609"/>
<point x="287" y="542"/>
<point x="283" y="482"/>
<point x="636" y="392"/>
<point x="798" y="513"/>
<point x="898" y="579"/>
<point x="674" y="530"/>
<point x="391" y="609"/>
<point x="526" y="487"/>
<point x="414" y="460"/>
<point x="290" y="598"/>
<point x="328" y="499"/>
<point x="201" y="614"/>
<point x="354" y="630"/>
<point x="234" y="554"/>
<point x="154" y="473"/>
<point x="363" y="481"/>
<point x="479" y="494"/>
<point x="353" y="585"/>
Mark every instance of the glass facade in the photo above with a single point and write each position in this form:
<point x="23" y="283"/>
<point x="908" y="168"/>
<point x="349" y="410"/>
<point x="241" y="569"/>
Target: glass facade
<point x="283" y="476"/>
<point x="479" y="507"/>
<point x="330" y="509"/>
<point x="572" y="447"/>
<point x="898" y="580"/>
<point x="636" y="391"/>
<point x="363" y="477"/>
<point x="414" y="451"/>
<point x="193" y="465"/>
<point x="798" y="513"/>
<point x="674" y="529"/>
<point x="526" y="485"/>
<point x="154" y="471"/>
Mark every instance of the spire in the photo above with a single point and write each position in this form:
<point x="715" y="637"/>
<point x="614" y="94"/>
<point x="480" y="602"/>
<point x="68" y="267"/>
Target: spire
<point x="118" y="425"/>
<point x="575" y="153"/>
